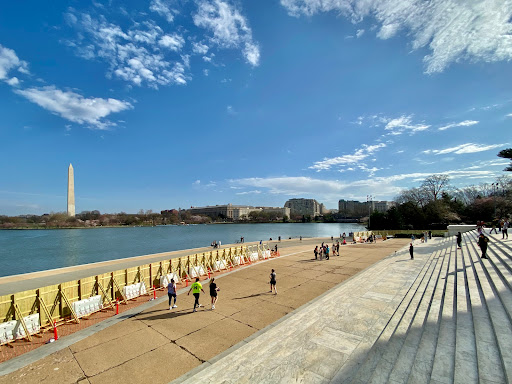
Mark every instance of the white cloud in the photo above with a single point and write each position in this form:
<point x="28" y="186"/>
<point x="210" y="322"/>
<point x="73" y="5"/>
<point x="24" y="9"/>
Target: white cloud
<point x="199" y="48"/>
<point x="13" y="81"/>
<point x="359" y="33"/>
<point x="228" y="26"/>
<point x="465" y="123"/>
<point x="403" y="124"/>
<point x="254" y="192"/>
<point x="509" y="115"/>
<point x="74" y="107"/>
<point x="163" y="9"/>
<point x="133" y="55"/>
<point x="452" y="30"/>
<point x="174" y="42"/>
<point x="354" y="158"/>
<point x="230" y="110"/>
<point x="9" y="61"/>
<point x="464" y="149"/>
<point x="331" y="190"/>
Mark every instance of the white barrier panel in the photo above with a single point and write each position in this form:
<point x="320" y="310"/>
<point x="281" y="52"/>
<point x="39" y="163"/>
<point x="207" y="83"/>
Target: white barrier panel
<point x="6" y="331"/>
<point x="12" y="330"/>
<point x="266" y="254"/>
<point x="165" y="280"/>
<point x="220" y="264"/>
<point x="197" y="271"/>
<point x="32" y="323"/>
<point x="86" y="306"/>
<point x="134" y="290"/>
<point x="254" y="256"/>
<point x="238" y="260"/>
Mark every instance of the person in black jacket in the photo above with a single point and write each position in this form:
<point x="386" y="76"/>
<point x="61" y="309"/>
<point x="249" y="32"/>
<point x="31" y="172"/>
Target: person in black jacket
<point x="482" y="243"/>
<point x="411" y="251"/>
<point x="459" y="240"/>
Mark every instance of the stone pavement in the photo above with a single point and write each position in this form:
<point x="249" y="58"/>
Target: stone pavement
<point x="444" y="317"/>
<point x="158" y="345"/>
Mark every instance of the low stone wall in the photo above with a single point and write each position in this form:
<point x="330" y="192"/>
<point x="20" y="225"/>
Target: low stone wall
<point x="453" y="229"/>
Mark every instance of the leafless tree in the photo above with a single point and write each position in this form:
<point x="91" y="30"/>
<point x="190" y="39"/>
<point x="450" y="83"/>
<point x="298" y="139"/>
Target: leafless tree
<point x="434" y="185"/>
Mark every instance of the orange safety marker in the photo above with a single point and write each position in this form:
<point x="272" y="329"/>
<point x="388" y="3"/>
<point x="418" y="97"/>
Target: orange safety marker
<point x="117" y="306"/>
<point x="55" y="335"/>
<point x="154" y="292"/>
<point x="186" y="282"/>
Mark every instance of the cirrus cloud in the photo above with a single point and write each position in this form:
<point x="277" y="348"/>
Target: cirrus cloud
<point x="452" y="30"/>
<point x="229" y="27"/>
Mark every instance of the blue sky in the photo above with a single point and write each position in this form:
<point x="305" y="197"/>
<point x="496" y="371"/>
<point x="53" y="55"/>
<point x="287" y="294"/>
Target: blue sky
<point x="163" y="104"/>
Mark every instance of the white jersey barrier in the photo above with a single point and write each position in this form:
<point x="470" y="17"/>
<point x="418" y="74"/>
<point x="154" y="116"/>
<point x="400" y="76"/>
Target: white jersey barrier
<point x="134" y="290"/>
<point x="12" y="330"/>
<point x="254" y="256"/>
<point x="265" y="254"/>
<point x="197" y="271"/>
<point x="220" y="264"/>
<point x="165" y="280"/>
<point x="87" y="306"/>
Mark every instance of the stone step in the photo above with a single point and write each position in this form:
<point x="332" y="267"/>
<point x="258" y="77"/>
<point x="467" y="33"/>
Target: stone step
<point x="499" y="319"/>
<point x="396" y="342"/>
<point x="503" y="263"/>
<point x="443" y="368"/>
<point x="424" y="358"/>
<point x="386" y="274"/>
<point x="466" y="362"/>
<point x="499" y="279"/>
<point x="403" y="363"/>
<point x="366" y="367"/>
<point x="488" y="357"/>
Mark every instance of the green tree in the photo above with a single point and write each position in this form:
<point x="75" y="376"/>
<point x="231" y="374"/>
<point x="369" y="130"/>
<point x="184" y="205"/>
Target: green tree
<point x="506" y="154"/>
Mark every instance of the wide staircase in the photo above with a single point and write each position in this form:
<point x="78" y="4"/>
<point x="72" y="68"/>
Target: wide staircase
<point x="453" y="325"/>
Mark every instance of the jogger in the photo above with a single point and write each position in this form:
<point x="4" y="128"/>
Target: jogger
<point x="171" y="292"/>
<point x="196" y="289"/>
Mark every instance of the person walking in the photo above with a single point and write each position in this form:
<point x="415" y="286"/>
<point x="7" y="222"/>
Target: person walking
<point x="171" y="292"/>
<point x="213" y="292"/>
<point x="196" y="289"/>
<point x="459" y="240"/>
<point x="411" y="251"/>
<point x="273" y="281"/>
<point x="326" y="252"/>
<point x="504" y="229"/>
<point x="316" y="252"/>
<point x="482" y="243"/>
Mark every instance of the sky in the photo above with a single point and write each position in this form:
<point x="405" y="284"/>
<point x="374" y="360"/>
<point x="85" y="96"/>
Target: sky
<point x="163" y="104"/>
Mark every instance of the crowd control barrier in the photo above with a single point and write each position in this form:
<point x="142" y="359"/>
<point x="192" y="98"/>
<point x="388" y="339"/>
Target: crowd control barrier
<point x="25" y="314"/>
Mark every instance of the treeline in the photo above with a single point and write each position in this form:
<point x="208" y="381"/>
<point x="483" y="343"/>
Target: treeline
<point x="97" y="219"/>
<point x="435" y="204"/>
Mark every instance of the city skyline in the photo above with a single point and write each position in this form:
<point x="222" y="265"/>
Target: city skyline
<point x="166" y="104"/>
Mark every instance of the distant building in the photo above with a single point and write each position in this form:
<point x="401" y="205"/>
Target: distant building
<point x="382" y="206"/>
<point x="358" y="209"/>
<point x="235" y="212"/>
<point x="304" y="207"/>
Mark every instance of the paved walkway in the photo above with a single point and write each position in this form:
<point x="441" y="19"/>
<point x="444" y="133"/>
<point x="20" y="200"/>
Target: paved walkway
<point x="444" y="317"/>
<point x="158" y="345"/>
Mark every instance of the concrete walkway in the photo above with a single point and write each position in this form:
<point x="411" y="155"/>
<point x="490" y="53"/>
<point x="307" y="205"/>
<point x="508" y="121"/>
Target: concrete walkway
<point x="444" y="317"/>
<point x="158" y="345"/>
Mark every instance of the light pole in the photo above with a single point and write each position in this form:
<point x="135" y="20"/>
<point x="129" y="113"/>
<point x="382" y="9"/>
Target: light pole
<point x="369" y="201"/>
<point x="494" y="189"/>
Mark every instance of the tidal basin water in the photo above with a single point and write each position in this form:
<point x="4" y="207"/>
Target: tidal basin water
<point x="26" y="251"/>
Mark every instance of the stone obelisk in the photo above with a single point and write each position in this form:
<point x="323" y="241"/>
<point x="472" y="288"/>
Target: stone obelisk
<point x="71" y="192"/>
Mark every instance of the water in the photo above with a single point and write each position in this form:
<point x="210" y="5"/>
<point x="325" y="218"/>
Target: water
<point x="37" y="250"/>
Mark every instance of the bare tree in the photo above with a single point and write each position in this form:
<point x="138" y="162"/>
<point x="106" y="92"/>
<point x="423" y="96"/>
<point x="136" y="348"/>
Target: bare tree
<point x="434" y="185"/>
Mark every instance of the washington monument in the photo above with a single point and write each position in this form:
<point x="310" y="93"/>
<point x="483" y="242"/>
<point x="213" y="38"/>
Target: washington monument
<point x="71" y="192"/>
